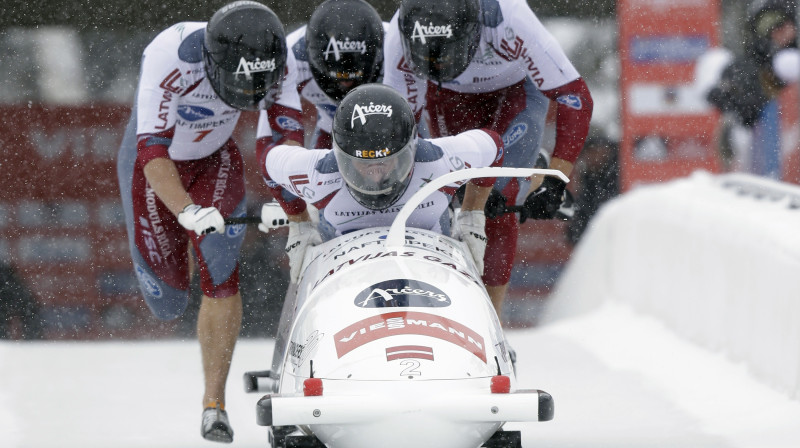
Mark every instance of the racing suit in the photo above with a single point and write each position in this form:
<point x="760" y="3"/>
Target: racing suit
<point x="314" y="176"/>
<point x="177" y="115"/>
<point x="507" y="87"/>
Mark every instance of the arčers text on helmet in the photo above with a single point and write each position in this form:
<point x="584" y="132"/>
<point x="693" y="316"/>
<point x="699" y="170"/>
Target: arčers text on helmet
<point x="337" y="47"/>
<point x="361" y="112"/>
<point x="422" y="32"/>
<point x="247" y="68"/>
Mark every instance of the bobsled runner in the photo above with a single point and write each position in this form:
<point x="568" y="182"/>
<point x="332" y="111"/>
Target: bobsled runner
<point x="390" y="340"/>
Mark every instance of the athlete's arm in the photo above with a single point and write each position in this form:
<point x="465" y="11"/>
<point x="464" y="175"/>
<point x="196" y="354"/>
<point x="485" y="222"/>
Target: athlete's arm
<point x="163" y="177"/>
<point x="281" y="125"/>
<point x="574" y="106"/>
<point x="475" y="197"/>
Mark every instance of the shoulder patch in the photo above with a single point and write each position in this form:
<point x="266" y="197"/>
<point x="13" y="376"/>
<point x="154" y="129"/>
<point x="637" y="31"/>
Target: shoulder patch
<point x="288" y="123"/>
<point x="427" y="151"/>
<point x="191" y="49"/>
<point x="299" y="50"/>
<point x="327" y="164"/>
<point x="491" y="15"/>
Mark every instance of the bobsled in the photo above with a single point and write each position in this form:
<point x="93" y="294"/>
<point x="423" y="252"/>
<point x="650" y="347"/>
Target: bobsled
<point x="390" y="340"/>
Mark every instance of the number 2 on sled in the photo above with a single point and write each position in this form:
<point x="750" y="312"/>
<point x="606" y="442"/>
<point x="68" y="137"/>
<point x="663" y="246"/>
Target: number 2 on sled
<point x="411" y="367"/>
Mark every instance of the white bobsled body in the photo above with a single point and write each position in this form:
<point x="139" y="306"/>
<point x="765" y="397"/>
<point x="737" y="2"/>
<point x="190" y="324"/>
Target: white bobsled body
<point x="394" y="345"/>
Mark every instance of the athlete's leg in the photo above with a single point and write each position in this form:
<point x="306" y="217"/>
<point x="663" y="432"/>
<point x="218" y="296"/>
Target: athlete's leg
<point x="219" y="184"/>
<point x="522" y="140"/>
<point x="220" y="316"/>
<point x="498" y="295"/>
<point x="501" y="245"/>
<point x="218" y="324"/>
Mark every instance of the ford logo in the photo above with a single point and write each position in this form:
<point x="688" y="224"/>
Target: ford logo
<point x="288" y="123"/>
<point x="570" y="101"/>
<point x="194" y="113"/>
<point x="234" y="230"/>
<point x="148" y="282"/>
<point x="329" y="109"/>
<point x="514" y="134"/>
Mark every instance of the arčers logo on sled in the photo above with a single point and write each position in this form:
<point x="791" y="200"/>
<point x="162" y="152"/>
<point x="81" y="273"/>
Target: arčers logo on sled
<point x="360" y="112"/>
<point x="337" y="47"/>
<point x="402" y="293"/>
<point x="423" y="32"/>
<point x="247" y="68"/>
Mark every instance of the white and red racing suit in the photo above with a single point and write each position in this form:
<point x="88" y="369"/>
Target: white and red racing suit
<point x="310" y="90"/>
<point x="518" y="64"/>
<point x="314" y="176"/>
<point x="177" y="115"/>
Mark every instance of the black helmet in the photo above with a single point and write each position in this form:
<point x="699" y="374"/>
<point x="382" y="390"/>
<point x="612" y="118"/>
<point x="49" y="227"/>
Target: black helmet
<point x="439" y="38"/>
<point x="245" y="54"/>
<point x="344" y="41"/>
<point x="374" y="141"/>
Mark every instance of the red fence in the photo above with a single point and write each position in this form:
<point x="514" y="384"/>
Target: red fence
<point x="62" y="222"/>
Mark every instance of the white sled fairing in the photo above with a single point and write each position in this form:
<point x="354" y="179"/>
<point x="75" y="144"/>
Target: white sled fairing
<point x="395" y="329"/>
<point x="401" y="338"/>
<point x="360" y="302"/>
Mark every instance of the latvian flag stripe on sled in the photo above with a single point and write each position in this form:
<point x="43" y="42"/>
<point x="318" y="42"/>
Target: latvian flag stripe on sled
<point x="409" y="351"/>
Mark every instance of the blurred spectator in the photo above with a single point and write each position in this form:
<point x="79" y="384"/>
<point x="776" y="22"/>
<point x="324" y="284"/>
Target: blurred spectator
<point x="598" y="182"/>
<point x="17" y="302"/>
<point x="749" y="86"/>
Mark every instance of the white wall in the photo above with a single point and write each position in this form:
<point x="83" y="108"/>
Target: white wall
<point x="717" y="258"/>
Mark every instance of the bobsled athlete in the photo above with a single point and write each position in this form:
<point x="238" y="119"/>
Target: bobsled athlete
<point x="339" y="49"/>
<point x="377" y="163"/>
<point x="181" y="173"/>
<point x="467" y="64"/>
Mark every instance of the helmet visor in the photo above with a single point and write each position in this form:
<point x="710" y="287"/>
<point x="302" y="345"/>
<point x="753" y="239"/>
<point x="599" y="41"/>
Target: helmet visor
<point x="376" y="181"/>
<point x="337" y="84"/>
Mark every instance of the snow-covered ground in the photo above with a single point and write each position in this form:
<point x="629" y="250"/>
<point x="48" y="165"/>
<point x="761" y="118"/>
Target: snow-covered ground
<point x="618" y="380"/>
<point x="619" y="372"/>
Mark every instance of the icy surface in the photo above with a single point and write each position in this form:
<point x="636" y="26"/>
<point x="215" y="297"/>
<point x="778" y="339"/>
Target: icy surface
<point x="618" y="380"/>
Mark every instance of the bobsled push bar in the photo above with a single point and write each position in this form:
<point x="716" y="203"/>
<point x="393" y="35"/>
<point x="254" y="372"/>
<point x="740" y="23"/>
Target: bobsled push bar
<point x="396" y="237"/>
<point x="519" y="406"/>
<point x="272" y="216"/>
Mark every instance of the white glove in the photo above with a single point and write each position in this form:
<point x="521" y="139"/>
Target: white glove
<point x="471" y="229"/>
<point x="272" y="217"/>
<point x="302" y="235"/>
<point x="202" y="220"/>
